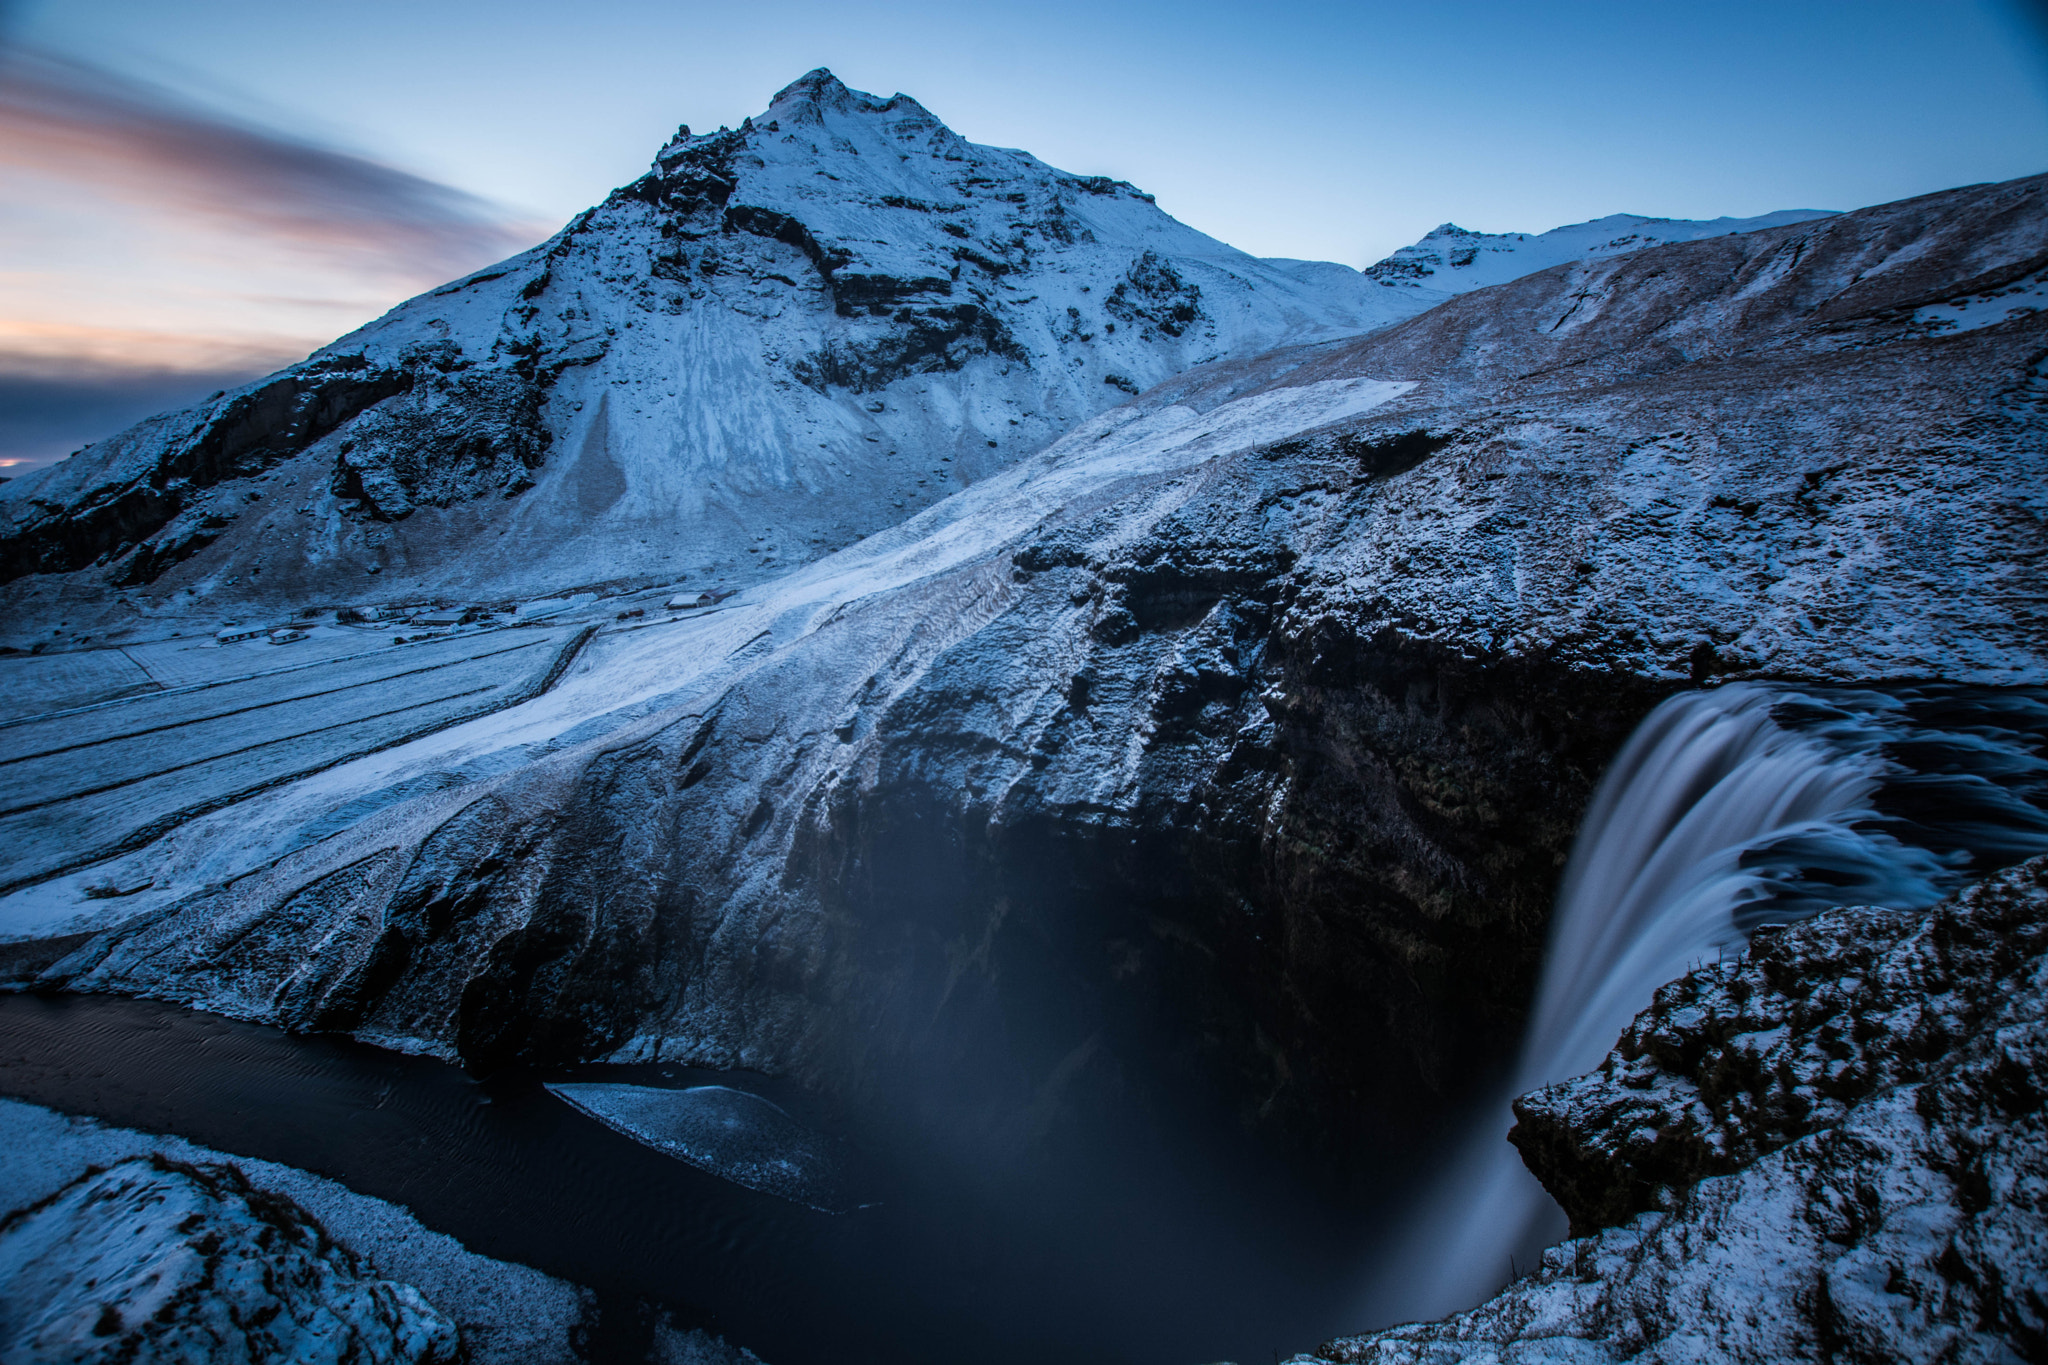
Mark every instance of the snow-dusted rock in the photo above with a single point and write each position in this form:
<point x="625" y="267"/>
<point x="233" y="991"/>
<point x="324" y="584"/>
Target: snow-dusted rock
<point x="1733" y="1063"/>
<point x="507" y="1314"/>
<point x="157" y="1260"/>
<point x="1861" y="1173"/>
<point x="1269" y="700"/>
<point x="1745" y="455"/>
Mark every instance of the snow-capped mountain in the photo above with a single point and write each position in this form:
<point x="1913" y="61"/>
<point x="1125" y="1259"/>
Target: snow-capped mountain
<point x="782" y="337"/>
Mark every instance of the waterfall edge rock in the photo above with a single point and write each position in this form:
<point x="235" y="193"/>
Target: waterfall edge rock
<point x="1843" y="1136"/>
<point x="1730" y="1065"/>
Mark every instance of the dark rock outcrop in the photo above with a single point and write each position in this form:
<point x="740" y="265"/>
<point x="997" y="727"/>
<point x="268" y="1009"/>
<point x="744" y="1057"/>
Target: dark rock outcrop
<point x="1842" y="1135"/>
<point x="148" y="476"/>
<point x="1729" y="1066"/>
<point x="459" y="432"/>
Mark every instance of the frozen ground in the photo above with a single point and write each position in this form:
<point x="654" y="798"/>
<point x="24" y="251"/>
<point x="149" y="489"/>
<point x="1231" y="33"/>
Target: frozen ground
<point x="80" y="784"/>
<point x="32" y="685"/>
<point x="40" y="684"/>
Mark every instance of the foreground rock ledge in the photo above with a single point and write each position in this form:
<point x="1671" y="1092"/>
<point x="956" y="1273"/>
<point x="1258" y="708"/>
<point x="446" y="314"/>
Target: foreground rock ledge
<point x="158" y="1260"/>
<point x="1875" y="1080"/>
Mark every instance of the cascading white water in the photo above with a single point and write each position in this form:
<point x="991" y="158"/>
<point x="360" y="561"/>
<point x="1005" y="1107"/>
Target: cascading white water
<point x="1712" y="813"/>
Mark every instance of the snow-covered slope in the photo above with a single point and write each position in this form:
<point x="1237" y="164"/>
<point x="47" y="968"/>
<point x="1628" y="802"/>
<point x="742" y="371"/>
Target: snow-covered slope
<point x="1452" y="260"/>
<point x="784" y="336"/>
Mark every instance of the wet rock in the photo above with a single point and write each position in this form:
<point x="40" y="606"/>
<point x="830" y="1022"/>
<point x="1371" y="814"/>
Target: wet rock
<point x="1732" y="1063"/>
<point x="1853" y="1170"/>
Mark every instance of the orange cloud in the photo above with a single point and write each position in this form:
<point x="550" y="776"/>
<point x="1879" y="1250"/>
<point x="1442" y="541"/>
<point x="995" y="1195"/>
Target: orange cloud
<point x="52" y="350"/>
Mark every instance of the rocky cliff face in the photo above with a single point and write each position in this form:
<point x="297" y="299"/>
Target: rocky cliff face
<point x="1255" y="715"/>
<point x="1830" y="1149"/>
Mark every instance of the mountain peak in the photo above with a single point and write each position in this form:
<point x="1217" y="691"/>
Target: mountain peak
<point x="813" y="95"/>
<point x="813" y="84"/>
<point x="819" y="88"/>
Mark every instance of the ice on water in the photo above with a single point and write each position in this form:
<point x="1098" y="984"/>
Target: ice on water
<point x="733" y="1134"/>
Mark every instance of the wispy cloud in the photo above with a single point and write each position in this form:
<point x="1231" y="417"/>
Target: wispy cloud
<point x="152" y="250"/>
<point x="132" y="140"/>
<point x="55" y="350"/>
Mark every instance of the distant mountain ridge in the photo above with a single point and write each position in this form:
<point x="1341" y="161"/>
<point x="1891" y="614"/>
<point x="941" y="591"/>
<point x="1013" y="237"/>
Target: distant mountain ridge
<point x="1452" y="260"/>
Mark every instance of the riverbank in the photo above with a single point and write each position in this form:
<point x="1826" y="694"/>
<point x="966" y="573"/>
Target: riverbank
<point x="507" y="1314"/>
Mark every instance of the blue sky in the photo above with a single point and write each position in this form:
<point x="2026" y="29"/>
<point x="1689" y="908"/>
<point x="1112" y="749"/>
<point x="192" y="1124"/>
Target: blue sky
<point x="1338" y="131"/>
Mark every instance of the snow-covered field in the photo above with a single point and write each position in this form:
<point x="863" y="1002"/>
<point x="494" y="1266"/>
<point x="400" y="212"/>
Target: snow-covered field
<point x="1985" y="309"/>
<point x="76" y="786"/>
<point x="37" y="684"/>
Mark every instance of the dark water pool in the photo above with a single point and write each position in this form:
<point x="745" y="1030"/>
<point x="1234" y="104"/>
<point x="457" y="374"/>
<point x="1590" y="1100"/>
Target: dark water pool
<point x="1131" y="1240"/>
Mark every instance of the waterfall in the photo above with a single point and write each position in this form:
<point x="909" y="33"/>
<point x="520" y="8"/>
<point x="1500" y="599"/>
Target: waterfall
<point x="1725" y="810"/>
